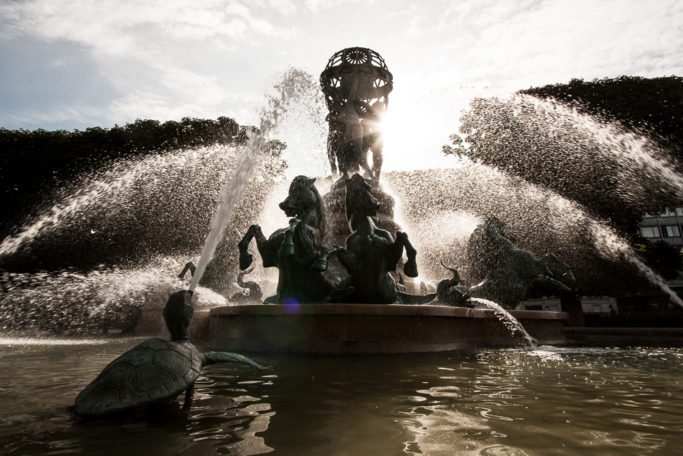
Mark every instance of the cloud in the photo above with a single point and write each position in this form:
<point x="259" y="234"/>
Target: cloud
<point x="154" y="49"/>
<point x="284" y="7"/>
<point x="512" y="45"/>
<point x="173" y="58"/>
<point x="317" y="5"/>
<point x="106" y="22"/>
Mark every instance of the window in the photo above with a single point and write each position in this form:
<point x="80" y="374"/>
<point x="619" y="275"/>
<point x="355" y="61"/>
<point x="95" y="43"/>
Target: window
<point x="649" y="231"/>
<point x="679" y="211"/>
<point x="667" y="213"/>
<point x="672" y="231"/>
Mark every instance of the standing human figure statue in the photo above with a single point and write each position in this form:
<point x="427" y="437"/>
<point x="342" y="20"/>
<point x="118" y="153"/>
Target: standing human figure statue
<point x="373" y="138"/>
<point x="345" y="141"/>
<point x="356" y="84"/>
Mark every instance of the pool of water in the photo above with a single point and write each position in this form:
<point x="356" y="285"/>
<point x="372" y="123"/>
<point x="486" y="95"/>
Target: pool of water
<point x="549" y="401"/>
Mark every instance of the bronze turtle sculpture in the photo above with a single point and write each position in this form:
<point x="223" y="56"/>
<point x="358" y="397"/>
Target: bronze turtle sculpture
<point x="154" y="371"/>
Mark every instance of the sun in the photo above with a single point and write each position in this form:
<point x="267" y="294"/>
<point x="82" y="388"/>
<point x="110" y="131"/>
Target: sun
<point x="400" y="130"/>
<point x="414" y="128"/>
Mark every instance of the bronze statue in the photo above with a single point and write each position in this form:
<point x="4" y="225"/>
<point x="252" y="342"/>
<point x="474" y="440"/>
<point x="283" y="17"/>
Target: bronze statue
<point x="372" y="253"/>
<point x="449" y="291"/>
<point x="356" y="83"/>
<point x="296" y="251"/>
<point x="504" y="273"/>
<point x="157" y="370"/>
<point x="251" y="291"/>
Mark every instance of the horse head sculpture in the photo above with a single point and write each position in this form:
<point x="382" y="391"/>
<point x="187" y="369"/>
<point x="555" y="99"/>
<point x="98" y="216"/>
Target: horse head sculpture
<point x="371" y="253"/>
<point x="295" y="250"/>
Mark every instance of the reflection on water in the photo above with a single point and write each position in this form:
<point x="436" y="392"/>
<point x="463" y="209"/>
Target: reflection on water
<point x="550" y="401"/>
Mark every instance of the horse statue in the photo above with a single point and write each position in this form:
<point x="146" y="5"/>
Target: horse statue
<point x="504" y="273"/>
<point x="372" y="253"/>
<point x="297" y="250"/>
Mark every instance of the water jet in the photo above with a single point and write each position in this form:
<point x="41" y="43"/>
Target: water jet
<point x="446" y="392"/>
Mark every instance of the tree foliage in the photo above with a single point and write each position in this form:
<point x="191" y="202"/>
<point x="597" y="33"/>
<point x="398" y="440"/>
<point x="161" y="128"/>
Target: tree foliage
<point x="651" y="106"/>
<point x="612" y="170"/>
<point x="34" y="163"/>
<point x="613" y="145"/>
<point x="661" y="256"/>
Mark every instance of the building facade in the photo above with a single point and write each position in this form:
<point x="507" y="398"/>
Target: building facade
<point x="666" y="226"/>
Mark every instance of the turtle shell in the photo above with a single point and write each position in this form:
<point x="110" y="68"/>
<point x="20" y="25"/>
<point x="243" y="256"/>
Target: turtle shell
<point x="154" y="370"/>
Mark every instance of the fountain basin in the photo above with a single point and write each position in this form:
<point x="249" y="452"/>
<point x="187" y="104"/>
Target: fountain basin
<point x="371" y="328"/>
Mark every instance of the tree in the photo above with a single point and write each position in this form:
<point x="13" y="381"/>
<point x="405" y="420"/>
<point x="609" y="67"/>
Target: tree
<point x="615" y="173"/>
<point x="647" y="106"/>
<point x="612" y="145"/>
<point x="34" y="164"/>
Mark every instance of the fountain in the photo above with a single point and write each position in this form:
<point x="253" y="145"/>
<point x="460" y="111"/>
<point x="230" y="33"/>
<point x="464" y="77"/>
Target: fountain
<point x="354" y="304"/>
<point x="144" y="219"/>
<point x="327" y="271"/>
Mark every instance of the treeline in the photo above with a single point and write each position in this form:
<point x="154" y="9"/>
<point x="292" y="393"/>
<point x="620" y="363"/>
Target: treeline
<point x="552" y="150"/>
<point x="555" y="151"/>
<point x="648" y="106"/>
<point x="34" y="163"/>
<point x="651" y="106"/>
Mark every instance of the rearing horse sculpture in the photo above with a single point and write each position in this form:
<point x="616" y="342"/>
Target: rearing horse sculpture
<point x="506" y="273"/>
<point x="296" y="250"/>
<point x="371" y="253"/>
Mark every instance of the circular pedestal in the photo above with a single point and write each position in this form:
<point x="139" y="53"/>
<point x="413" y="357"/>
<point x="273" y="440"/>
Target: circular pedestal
<point x="371" y="328"/>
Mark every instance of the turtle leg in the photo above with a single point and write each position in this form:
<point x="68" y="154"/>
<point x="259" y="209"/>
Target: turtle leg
<point x="189" y="394"/>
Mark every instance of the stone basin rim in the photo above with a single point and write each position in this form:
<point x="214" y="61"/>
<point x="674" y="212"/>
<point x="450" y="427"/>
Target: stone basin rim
<point x="379" y="310"/>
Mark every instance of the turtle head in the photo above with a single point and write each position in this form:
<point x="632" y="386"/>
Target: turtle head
<point x="178" y="313"/>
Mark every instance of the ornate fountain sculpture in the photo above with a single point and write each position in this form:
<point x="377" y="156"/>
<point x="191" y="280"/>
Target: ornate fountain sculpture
<point x="346" y="248"/>
<point x="356" y="84"/>
<point x="372" y="253"/>
<point x="296" y="251"/>
<point x="505" y="273"/>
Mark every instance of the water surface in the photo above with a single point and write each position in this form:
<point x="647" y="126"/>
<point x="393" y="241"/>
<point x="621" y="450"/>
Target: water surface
<point x="550" y="401"/>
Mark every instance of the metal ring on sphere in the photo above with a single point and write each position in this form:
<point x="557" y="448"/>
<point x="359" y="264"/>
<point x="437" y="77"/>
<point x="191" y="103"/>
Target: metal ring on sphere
<point x="358" y="74"/>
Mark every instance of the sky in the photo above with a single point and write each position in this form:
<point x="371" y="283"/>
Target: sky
<point x="73" y="64"/>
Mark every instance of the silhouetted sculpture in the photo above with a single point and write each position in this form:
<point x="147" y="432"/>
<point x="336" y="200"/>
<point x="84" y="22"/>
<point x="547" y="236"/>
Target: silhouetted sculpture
<point x="373" y="138"/>
<point x="505" y="273"/>
<point x="447" y="293"/>
<point x="371" y="253"/>
<point x="356" y="83"/>
<point x="296" y="251"/>
<point x="251" y="291"/>
<point x="157" y="370"/>
<point x="345" y="141"/>
<point x="189" y="266"/>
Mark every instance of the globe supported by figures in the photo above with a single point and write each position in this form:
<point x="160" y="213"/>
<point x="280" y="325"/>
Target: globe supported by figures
<point x="356" y="84"/>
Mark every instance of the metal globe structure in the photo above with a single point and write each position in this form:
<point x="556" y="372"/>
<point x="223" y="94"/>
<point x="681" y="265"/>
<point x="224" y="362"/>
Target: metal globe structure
<point x="356" y="84"/>
<point x="356" y="74"/>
